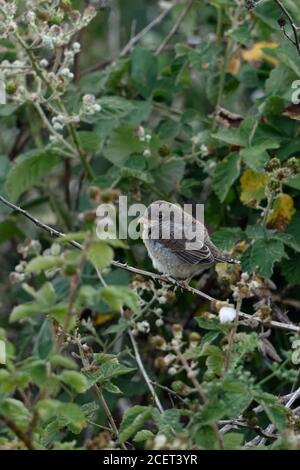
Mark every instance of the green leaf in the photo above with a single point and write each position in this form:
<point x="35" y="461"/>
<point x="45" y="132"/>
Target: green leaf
<point x="75" y="380"/>
<point x="111" y="388"/>
<point x="89" y="141"/>
<point x="208" y="323"/>
<point x="28" y="170"/>
<point x="118" y="296"/>
<point x="100" y="255"/>
<point x="232" y="440"/>
<point x="108" y="371"/>
<point x="293" y="182"/>
<point x="15" y="411"/>
<point x="43" y="263"/>
<point x="242" y="35"/>
<point x="8" y="230"/>
<point x="225" y="174"/>
<point x="262" y="256"/>
<point x="211" y="412"/>
<point x="45" y="295"/>
<point x="72" y="416"/>
<point x="26" y="310"/>
<point x="275" y="411"/>
<point x="205" y="438"/>
<point x="291" y="269"/>
<point x="133" y="420"/>
<point x="45" y="298"/>
<point x="168" y="176"/>
<point x="230" y="137"/>
<point x="144" y="69"/>
<point x="57" y="360"/>
<point x="215" y="358"/>
<point x="50" y="432"/>
<point x="143" y="435"/>
<point x="115" y="107"/>
<point x="168" y="421"/>
<point x="294" y="227"/>
<point x="255" y="157"/>
<point x="38" y="372"/>
<point x="123" y="143"/>
<point x="44" y="341"/>
<point x="89" y="409"/>
<point x="226" y="237"/>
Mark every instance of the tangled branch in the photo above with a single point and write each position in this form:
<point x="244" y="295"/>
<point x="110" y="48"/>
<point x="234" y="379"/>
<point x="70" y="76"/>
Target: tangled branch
<point x="156" y="277"/>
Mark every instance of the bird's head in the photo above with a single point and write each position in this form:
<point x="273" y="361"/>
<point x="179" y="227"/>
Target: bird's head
<point x="160" y="213"/>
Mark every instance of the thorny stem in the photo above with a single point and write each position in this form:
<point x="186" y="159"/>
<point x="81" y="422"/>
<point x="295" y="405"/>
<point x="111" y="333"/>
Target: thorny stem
<point x="156" y="277"/>
<point x="191" y="375"/>
<point x="99" y="393"/>
<point x="232" y="334"/>
<point x="74" y="283"/>
<point x="138" y="357"/>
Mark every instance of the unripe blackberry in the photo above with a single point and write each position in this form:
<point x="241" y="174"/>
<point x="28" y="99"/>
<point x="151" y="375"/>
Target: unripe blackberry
<point x="274" y="184"/>
<point x="293" y="165"/>
<point x="70" y="270"/>
<point x="273" y="164"/>
<point x="157" y="342"/>
<point x="194" y="337"/>
<point x="11" y="88"/>
<point x="94" y="193"/>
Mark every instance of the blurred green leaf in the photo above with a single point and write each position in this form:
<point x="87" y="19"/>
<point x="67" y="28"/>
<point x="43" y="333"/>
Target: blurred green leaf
<point x="28" y="170"/>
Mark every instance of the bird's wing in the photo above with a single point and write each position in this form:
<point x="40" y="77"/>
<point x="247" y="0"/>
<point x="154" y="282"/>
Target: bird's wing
<point x="201" y="255"/>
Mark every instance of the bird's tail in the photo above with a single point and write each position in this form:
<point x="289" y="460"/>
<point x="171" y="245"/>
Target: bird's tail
<point x="225" y="259"/>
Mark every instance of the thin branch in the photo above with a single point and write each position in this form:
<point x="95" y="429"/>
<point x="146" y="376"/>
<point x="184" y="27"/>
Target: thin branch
<point x="146" y="30"/>
<point x="198" y="387"/>
<point x="98" y="390"/>
<point x="295" y="28"/>
<point x="156" y="277"/>
<point x="232" y="333"/>
<point x="138" y="357"/>
<point x="175" y="27"/>
<point x="281" y="21"/>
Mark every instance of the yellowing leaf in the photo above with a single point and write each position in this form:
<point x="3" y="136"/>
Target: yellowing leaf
<point x="256" y="53"/>
<point x="253" y="187"/>
<point x="282" y="213"/>
<point x="234" y="64"/>
<point x="103" y="318"/>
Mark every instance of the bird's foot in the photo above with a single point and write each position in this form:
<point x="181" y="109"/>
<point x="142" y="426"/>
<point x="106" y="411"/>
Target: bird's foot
<point x="167" y="278"/>
<point x="184" y="284"/>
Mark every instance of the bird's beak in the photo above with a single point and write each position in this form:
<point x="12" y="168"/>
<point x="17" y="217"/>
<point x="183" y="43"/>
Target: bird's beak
<point x="145" y="221"/>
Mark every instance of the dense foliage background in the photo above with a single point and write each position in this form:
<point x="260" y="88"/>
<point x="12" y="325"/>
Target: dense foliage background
<point x="197" y="108"/>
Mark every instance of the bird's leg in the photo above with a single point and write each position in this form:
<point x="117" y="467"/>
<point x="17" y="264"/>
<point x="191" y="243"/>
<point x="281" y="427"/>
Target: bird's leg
<point x="168" y="278"/>
<point x="185" y="284"/>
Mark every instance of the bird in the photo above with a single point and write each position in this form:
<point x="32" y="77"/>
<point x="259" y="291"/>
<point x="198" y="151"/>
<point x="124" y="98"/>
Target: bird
<point x="166" y="239"/>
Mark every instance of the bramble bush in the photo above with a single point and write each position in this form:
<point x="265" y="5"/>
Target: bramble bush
<point x="188" y="101"/>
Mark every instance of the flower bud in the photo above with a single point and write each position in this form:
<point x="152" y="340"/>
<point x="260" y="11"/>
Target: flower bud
<point x="227" y="314"/>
